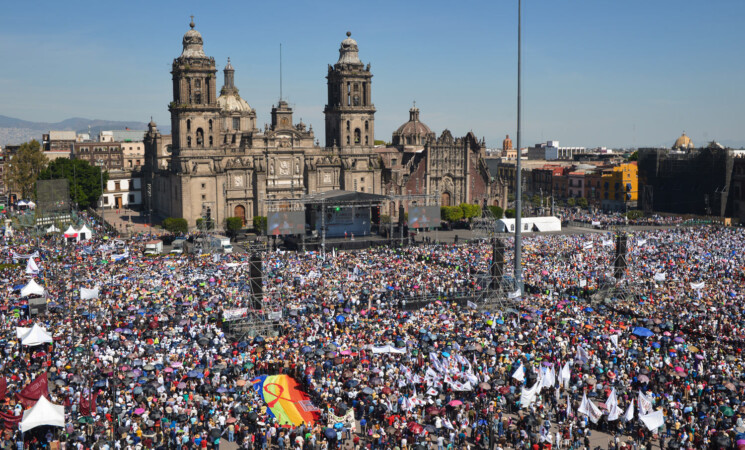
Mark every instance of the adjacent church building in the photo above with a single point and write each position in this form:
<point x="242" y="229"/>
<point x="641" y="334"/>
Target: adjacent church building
<point x="217" y="159"/>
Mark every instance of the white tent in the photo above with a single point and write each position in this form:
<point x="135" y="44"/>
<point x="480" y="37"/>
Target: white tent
<point x="530" y="224"/>
<point x="22" y="203"/>
<point x="84" y="233"/>
<point x="36" y="336"/>
<point x="32" y="288"/>
<point x="21" y="332"/>
<point x="70" y="232"/>
<point x="31" y="204"/>
<point x="43" y="413"/>
<point x="53" y="229"/>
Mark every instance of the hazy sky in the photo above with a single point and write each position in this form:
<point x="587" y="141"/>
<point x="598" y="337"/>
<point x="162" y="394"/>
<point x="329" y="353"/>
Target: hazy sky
<point x="595" y="72"/>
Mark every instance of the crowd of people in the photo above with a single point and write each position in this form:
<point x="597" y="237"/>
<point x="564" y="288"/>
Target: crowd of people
<point x="150" y="362"/>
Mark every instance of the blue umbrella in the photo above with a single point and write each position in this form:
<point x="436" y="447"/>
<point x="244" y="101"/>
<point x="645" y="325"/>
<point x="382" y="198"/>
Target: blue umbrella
<point x="642" y="332"/>
<point x="340" y="318"/>
<point x="655" y="344"/>
<point x="588" y="309"/>
<point x="330" y="433"/>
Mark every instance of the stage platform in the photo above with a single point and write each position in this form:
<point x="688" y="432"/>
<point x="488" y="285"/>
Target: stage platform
<point x="359" y="242"/>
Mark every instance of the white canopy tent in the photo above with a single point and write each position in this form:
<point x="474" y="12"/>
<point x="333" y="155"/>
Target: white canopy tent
<point x="31" y="204"/>
<point x="530" y="224"/>
<point x="36" y="336"/>
<point x="71" y="232"/>
<point x="22" y="203"/>
<point x="84" y="233"/>
<point x="32" y="288"/>
<point x="43" y="413"/>
<point x="53" y="229"/>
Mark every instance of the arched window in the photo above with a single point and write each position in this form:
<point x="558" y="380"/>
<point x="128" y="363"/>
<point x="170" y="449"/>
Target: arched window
<point x="367" y="140"/>
<point x="210" y="124"/>
<point x="347" y="125"/>
<point x="367" y="127"/>
<point x="200" y="137"/>
<point x="357" y="135"/>
<point x="210" y="141"/>
<point x="347" y="139"/>
<point x="188" y="124"/>
<point x="188" y="141"/>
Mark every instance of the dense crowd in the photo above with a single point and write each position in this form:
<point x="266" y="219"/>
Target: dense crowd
<point x="149" y="362"/>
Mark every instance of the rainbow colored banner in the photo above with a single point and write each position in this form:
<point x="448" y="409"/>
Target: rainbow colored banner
<point x="286" y="402"/>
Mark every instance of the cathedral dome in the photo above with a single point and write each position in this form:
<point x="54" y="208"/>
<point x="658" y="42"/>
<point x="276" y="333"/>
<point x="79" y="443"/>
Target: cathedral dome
<point x="413" y="126"/>
<point x="229" y="100"/>
<point x="193" y="43"/>
<point x="683" y="142"/>
<point x="232" y="103"/>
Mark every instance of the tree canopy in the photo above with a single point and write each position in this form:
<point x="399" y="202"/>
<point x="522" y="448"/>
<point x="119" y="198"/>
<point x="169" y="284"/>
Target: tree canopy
<point x="84" y="179"/>
<point x="24" y="168"/>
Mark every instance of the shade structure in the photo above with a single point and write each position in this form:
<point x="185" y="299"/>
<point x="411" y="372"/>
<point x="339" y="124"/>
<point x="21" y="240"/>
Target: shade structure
<point x="36" y="336"/>
<point x="32" y="288"/>
<point x="43" y="413"/>
<point x="85" y="233"/>
<point x="70" y="232"/>
<point x="53" y="229"/>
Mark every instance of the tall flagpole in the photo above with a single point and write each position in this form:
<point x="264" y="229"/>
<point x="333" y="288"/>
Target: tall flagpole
<point x="518" y="167"/>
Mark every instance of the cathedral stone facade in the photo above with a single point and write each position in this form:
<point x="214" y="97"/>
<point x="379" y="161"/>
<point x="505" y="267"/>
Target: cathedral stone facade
<point x="216" y="158"/>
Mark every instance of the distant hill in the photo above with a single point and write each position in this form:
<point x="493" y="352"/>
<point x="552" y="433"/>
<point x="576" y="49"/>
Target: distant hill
<point x="17" y="131"/>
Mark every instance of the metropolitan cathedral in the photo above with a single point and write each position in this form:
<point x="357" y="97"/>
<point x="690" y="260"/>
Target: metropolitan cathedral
<point x="217" y="158"/>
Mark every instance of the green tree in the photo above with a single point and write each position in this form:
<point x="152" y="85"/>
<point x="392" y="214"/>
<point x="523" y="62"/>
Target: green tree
<point x="496" y="211"/>
<point x="571" y="202"/>
<point x="582" y="202"/>
<point x="470" y="211"/>
<point x="260" y="224"/>
<point x="536" y="200"/>
<point x="451" y="213"/>
<point x="634" y="214"/>
<point x="233" y="225"/>
<point x="84" y="179"/>
<point x="509" y="213"/>
<point x="23" y="169"/>
<point x="385" y="218"/>
<point x="176" y="225"/>
<point x="634" y="156"/>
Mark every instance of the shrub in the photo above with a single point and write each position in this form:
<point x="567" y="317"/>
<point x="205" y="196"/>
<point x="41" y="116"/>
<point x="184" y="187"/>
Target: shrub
<point x="260" y="224"/>
<point x="496" y="211"/>
<point x="176" y="225"/>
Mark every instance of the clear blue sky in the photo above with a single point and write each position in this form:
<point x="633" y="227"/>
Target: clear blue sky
<point x="601" y="72"/>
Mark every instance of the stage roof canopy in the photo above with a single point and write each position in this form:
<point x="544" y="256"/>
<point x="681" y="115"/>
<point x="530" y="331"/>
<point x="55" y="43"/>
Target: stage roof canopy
<point x="338" y="196"/>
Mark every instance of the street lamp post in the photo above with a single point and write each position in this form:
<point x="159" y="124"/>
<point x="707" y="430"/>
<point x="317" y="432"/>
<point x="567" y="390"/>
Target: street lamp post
<point x="100" y="164"/>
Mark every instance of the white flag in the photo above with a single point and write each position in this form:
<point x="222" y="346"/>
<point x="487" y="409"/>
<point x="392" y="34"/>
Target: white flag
<point x="629" y="412"/>
<point x="31" y="267"/>
<point x="569" y="405"/>
<point x="645" y="404"/>
<point x="527" y="396"/>
<point x="582" y="355"/>
<point x="660" y="276"/>
<point x="614" y="340"/>
<point x="86" y="294"/>
<point x="519" y="374"/>
<point x="641" y="242"/>
<point x="653" y="420"/>
<point x="612" y="405"/>
<point x="584" y="407"/>
<point x="697" y="286"/>
<point x="566" y="374"/>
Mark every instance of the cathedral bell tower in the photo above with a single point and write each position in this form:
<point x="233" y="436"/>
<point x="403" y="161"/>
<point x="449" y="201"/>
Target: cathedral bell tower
<point x="350" y="113"/>
<point x="194" y="109"/>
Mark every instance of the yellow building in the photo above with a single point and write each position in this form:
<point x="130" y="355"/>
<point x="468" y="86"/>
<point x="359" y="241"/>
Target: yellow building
<point x="620" y="187"/>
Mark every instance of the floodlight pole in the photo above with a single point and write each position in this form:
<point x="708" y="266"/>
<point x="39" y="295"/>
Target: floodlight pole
<point x="518" y="166"/>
